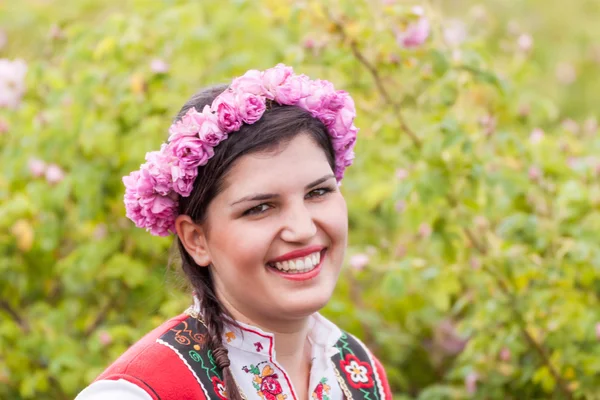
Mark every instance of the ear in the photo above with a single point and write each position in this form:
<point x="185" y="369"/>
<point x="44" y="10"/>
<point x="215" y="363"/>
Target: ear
<point x="193" y="238"/>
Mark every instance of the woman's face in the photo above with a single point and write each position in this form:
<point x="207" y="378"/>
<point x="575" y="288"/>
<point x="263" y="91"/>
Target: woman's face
<point x="276" y="235"/>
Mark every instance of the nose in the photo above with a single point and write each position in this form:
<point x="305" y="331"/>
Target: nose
<point x="299" y="225"/>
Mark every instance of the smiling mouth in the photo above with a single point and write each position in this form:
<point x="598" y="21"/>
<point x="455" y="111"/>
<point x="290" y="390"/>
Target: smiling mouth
<point x="300" y="265"/>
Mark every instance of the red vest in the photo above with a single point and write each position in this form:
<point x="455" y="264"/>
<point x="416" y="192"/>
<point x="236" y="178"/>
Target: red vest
<point x="167" y="362"/>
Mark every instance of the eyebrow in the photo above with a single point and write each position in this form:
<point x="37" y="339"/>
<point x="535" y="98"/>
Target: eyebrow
<point x="268" y="196"/>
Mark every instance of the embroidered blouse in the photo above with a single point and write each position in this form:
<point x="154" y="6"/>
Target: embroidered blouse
<point x="172" y="363"/>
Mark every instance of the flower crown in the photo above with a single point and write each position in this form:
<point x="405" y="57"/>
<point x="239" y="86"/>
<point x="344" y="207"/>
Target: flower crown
<point x="152" y="192"/>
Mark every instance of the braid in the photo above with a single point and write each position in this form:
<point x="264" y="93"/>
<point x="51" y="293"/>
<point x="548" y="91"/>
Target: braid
<point x="213" y="315"/>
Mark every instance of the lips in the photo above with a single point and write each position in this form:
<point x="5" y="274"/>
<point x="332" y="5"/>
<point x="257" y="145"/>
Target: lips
<point x="297" y="254"/>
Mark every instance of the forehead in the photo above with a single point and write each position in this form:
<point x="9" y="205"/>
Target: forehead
<point x="295" y="163"/>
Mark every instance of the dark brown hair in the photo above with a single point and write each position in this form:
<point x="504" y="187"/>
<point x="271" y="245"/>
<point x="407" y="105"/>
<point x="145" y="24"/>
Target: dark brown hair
<point x="278" y="126"/>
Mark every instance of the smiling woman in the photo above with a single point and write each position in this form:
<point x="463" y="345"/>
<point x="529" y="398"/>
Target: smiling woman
<point x="249" y="183"/>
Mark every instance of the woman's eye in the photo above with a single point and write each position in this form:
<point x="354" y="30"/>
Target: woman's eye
<point x="318" y="192"/>
<point x="257" y="210"/>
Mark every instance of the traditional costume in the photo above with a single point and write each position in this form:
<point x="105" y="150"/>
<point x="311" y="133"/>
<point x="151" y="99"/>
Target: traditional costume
<point x="173" y="363"/>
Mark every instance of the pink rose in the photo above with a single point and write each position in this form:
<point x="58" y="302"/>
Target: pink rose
<point x="183" y="179"/>
<point x="415" y="34"/>
<point x="342" y="161"/>
<point x="158" y="66"/>
<point x="36" y="167"/>
<point x="227" y="116"/>
<point x="54" y="174"/>
<point x="471" y="382"/>
<point x="344" y="143"/>
<point x="290" y="91"/>
<point x="317" y="92"/>
<point x="359" y="261"/>
<point x="343" y="122"/>
<point x="12" y="82"/>
<point x="105" y="338"/>
<point x="209" y="132"/>
<point x="190" y="151"/>
<point x="186" y="126"/>
<point x="250" y="82"/>
<point x="146" y="209"/>
<point x="327" y="117"/>
<point x="156" y="172"/>
<point x="159" y="213"/>
<point x="274" y="77"/>
<point x="250" y="106"/>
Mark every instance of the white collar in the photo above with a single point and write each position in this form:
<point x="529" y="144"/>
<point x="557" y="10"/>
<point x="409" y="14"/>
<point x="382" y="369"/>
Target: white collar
<point x="322" y="335"/>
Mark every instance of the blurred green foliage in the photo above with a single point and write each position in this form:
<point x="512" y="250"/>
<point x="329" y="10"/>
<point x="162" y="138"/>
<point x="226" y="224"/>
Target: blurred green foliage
<point x="474" y="264"/>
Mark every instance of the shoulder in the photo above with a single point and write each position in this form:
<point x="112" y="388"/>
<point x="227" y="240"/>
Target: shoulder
<point x="148" y="368"/>
<point x="353" y="350"/>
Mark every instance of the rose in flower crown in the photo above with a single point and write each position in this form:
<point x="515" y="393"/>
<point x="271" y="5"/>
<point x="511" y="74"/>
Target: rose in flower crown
<point x="152" y="193"/>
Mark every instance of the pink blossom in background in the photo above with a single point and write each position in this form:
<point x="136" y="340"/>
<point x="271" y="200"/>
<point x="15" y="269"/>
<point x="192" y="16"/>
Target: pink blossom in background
<point x="359" y="261"/>
<point x="475" y="263"/>
<point x="536" y="135"/>
<point x="534" y="173"/>
<point x="447" y="339"/>
<point x="488" y="123"/>
<point x="566" y="73"/>
<point x="415" y="34"/>
<point x="55" y="32"/>
<point x="105" y="338"/>
<point x="570" y="126"/>
<point x="12" y="82"/>
<point x="158" y="66"/>
<point x="418" y="10"/>
<point x="505" y="354"/>
<point x="524" y="110"/>
<point x="3" y="126"/>
<point x="471" y="382"/>
<point x="54" y="174"/>
<point x="401" y="174"/>
<point x="454" y="32"/>
<point x="36" y="167"/>
<point x="425" y="230"/>
<point x="525" y="42"/>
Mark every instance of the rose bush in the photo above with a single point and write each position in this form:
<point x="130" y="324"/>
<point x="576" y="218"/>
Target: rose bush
<point x="474" y="199"/>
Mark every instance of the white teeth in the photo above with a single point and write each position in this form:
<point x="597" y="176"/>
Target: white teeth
<point x="308" y="264"/>
<point x="299" y="265"/>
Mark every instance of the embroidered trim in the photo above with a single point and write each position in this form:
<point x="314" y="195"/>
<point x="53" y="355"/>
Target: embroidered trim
<point x="186" y="363"/>
<point x="356" y="368"/>
<point x="358" y="373"/>
<point x="322" y="391"/>
<point x="342" y="383"/>
<point x="375" y="373"/>
<point x="189" y="345"/>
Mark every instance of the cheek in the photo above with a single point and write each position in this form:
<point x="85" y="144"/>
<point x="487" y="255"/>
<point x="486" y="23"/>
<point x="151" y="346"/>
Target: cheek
<point x="334" y="219"/>
<point x="241" y="244"/>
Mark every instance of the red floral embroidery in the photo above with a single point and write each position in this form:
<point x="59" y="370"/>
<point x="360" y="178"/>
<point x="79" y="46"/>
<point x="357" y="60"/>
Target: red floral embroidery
<point x="322" y="390"/>
<point x="359" y="373"/>
<point x="266" y="382"/>
<point x="219" y="387"/>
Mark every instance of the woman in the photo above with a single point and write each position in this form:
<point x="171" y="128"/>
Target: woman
<point x="249" y="183"/>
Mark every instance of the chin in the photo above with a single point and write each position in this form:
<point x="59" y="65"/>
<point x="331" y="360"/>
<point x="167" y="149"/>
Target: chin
<point x="301" y="307"/>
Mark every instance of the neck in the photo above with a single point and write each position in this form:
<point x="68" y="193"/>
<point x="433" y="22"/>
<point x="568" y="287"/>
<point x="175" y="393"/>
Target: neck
<point x="291" y="336"/>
